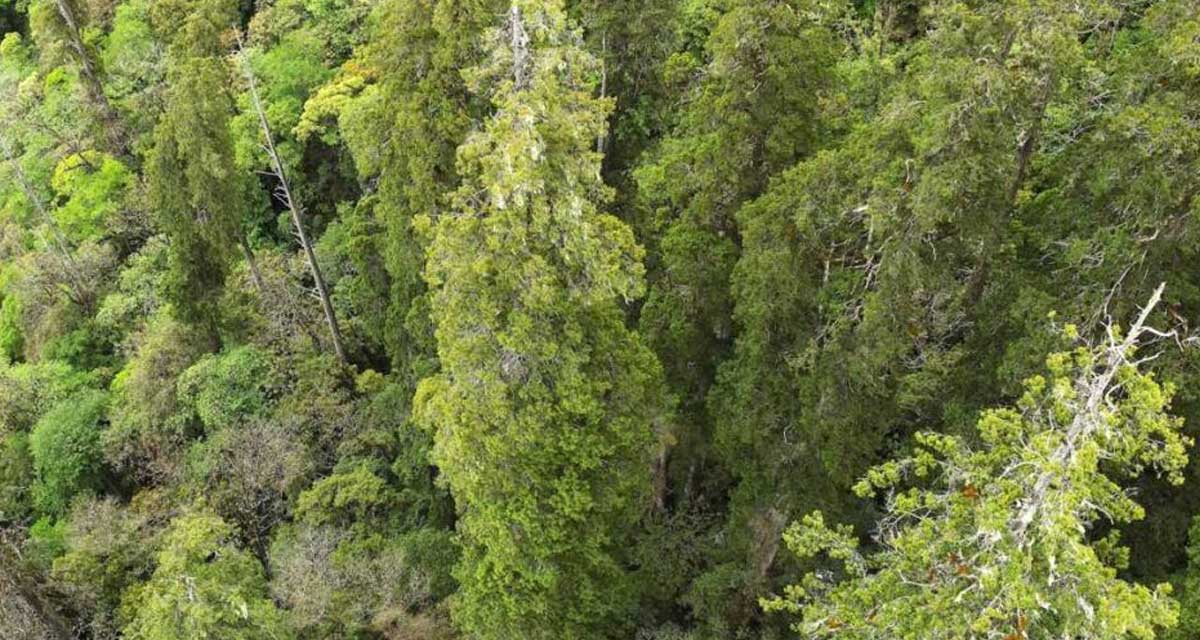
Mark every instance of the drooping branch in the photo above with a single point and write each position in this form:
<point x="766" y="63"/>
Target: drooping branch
<point x="285" y="195"/>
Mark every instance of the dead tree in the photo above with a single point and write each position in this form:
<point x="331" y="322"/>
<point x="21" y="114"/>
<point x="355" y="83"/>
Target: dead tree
<point x="1091" y="416"/>
<point x="284" y="194"/>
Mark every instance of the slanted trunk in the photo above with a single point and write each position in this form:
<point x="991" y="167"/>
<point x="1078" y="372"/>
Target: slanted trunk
<point x="284" y="195"/>
<point x="19" y="592"/>
<point x="255" y="274"/>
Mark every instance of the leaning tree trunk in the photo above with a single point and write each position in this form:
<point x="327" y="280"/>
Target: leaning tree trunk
<point x="284" y="195"/>
<point x="27" y="608"/>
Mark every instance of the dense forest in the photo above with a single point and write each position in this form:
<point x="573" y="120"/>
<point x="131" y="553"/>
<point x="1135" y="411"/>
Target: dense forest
<point x="599" y="319"/>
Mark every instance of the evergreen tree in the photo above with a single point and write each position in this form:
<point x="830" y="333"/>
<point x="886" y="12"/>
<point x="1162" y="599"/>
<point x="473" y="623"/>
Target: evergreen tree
<point x="752" y="111"/>
<point x="881" y="287"/>
<point x="403" y="131"/>
<point x="856" y="216"/>
<point x="193" y="184"/>
<point x="992" y="541"/>
<point x="546" y="408"/>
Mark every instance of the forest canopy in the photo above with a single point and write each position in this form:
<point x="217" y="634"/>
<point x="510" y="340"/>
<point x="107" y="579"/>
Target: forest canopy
<point x="599" y="319"/>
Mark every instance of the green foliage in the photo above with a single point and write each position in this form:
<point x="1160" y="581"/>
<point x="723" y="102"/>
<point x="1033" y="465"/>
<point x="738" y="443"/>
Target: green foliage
<point x="27" y="391"/>
<point x="86" y="347"/>
<point x="198" y="199"/>
<point x="544" y="415"/>
<point x="291" y="69"/>
<point x="139" y="291"/>
<point x="93" y="187"/>
<point x="108" y="548"/>
<point x="46" y="541"/>
<point x="12" y="343"/>
<point x="898" y="280"/>
<point x="991" y="539"/>
<point x="148" y="422"/>
<point x="203" y="587"/>
<point x="350" y="254"/>
<point x="404" y="130"/>
<point x="356" y="498"/>
<point x="1187" y="585"/>
<point x="135" y="67"/>
<point x="753" y="93"/>
<point x="222" y="389"/>
<point x="67" y="456"/>
<point x="392" y="441"/>
<point x="856" y="218"/>
<point x="16" y="478"/>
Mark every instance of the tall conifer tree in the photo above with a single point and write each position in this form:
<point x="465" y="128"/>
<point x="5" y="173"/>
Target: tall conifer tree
<point x="546" y="407"/>
<point x="194" y="186"/>
<point x="752" y="110"/>
<point x="404" y="131"/>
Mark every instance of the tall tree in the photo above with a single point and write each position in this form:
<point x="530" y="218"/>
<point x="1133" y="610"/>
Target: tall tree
<point x="193" y="185"/>
<point x="403" y="130"/>
<point x="546" y="408"/>
<point x="751" y="108"/>
<point x="877" y="276"/>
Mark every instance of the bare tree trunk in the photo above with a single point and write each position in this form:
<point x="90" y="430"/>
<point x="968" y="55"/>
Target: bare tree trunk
<point x="519" y="42"/>
<point x="1031" y="139"/>
<point x="91" y="78"/>
<point x="1092" y="393"/>
<point x="284" y="194"/>
<point x="601" y="139"/>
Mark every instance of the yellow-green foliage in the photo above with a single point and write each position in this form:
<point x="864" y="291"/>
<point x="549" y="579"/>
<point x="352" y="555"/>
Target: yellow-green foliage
<point x="203" y="587"/>
<point x="993" y="539"/>
<point x="545" y="413"/>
